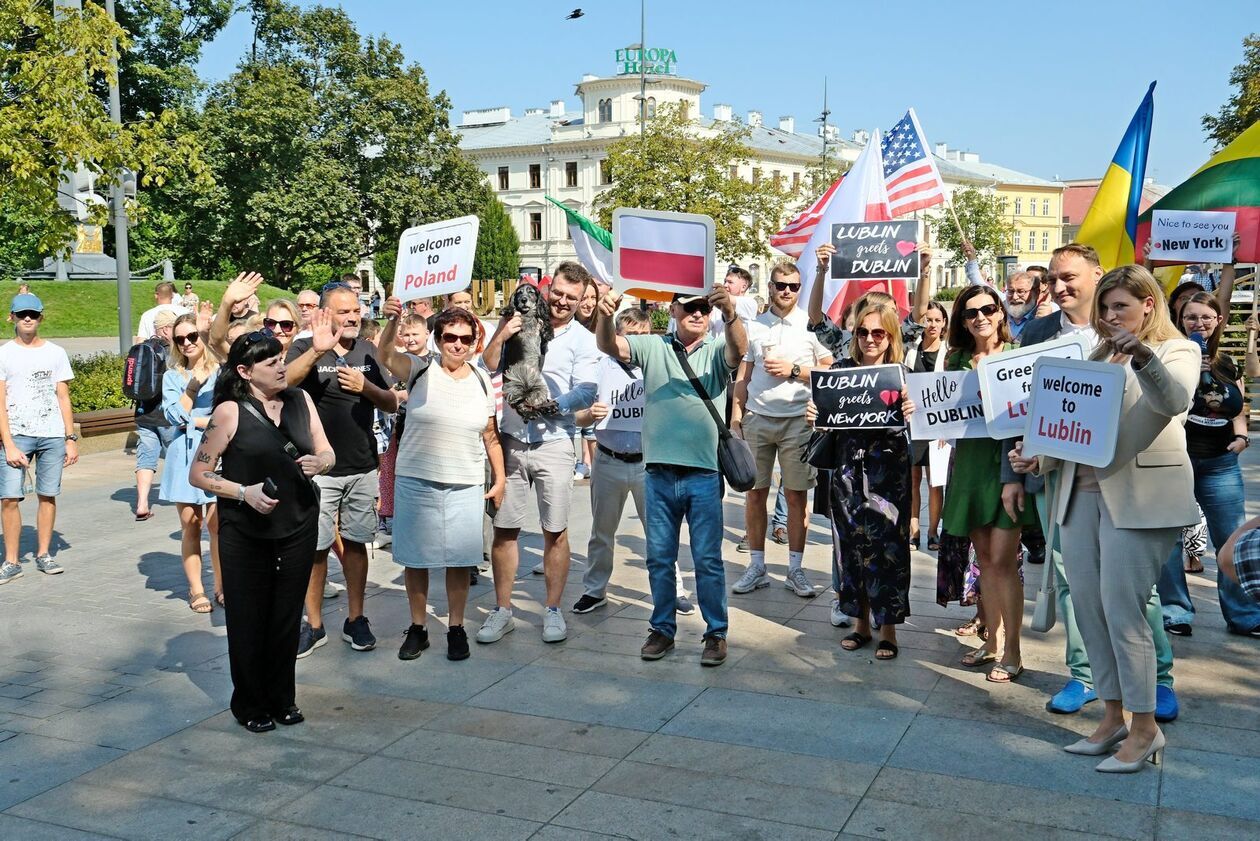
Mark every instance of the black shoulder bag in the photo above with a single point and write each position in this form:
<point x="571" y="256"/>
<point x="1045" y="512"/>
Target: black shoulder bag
<point x="735" y="457"/>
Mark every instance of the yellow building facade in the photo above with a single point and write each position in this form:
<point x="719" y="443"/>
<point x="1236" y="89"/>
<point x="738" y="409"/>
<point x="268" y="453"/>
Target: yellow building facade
<point x="1036" y="214"/>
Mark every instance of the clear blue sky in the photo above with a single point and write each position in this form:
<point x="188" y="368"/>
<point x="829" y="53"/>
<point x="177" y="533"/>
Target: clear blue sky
<point x="1047" y="88"/>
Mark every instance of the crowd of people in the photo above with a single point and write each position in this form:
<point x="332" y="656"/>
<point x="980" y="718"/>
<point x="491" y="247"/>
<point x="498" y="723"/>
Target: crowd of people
<point x="308" y="429"/>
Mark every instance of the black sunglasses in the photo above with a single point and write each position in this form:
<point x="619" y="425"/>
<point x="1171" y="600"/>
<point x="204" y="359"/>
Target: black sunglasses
<point x="284" y="324"/>
<point x="186" y="339"/>
<point x="31" y="314"/>
<point x="785" y="287"/>
<point x="465" y="339"/>
<point x="702" y="306"/>
<point x="987" y="309"/>
<point x="878" y="334"/>
<point x="258" y="336"/>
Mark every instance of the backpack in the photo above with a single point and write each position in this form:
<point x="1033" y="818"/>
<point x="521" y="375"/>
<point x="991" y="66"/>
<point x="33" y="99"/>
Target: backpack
<point x="142" y="372"/>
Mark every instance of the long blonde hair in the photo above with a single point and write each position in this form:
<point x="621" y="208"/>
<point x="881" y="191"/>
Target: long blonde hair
<point x="889" y="321"/>
<point x="208" y="363"/>
<point x="1156" y="327"/>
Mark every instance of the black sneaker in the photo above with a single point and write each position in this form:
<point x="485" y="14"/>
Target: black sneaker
<point x="473" y="578"/>
<point x="588" y="603"/>
<point x="417" y="640"/>
<point x="310" y="639"/>
<point x="456" y="643"/>
<point x="358" y="633"/>
<point x="1181" y="629"/>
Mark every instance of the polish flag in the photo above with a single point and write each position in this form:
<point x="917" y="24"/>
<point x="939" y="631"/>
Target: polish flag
<point x="662" y="251"/>
<point x="860" y="196"/>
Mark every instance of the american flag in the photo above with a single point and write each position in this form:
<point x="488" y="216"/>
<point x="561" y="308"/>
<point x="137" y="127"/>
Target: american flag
<point x="909" y="170"/>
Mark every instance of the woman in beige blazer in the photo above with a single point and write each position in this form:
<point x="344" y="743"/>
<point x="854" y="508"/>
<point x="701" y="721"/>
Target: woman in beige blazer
<point x="1118" y="523"/>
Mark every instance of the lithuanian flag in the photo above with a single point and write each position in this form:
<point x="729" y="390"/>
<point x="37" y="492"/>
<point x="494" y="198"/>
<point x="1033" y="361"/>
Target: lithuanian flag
<point x="1111" y="223"/>
<point x="1229" y="181"/>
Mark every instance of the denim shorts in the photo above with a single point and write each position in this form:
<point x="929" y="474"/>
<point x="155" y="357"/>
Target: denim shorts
<point x="152" y="445"/>
<point x="48" y="455"/>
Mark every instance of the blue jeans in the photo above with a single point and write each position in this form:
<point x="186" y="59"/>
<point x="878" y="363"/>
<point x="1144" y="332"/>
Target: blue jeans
<point x="670" y="494"/>
<point x="1218" y="487"/>
<point x="780" y="510"/>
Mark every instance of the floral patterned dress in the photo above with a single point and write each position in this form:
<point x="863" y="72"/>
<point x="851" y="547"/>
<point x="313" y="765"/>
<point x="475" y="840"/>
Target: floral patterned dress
<point x="870" y="520"/>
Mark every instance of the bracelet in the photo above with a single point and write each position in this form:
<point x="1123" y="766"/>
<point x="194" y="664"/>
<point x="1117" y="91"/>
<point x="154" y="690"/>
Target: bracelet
<point x="1245" y="439"/>
<point x="732" y="321"/>
<point x="240" y="493"/>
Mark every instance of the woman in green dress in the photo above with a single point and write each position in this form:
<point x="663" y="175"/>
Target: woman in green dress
<point x="973" y="497"/>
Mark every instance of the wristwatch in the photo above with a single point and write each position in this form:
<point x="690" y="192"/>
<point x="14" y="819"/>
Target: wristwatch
<point x="72" y="437"/>
<point x="795" y="372"/>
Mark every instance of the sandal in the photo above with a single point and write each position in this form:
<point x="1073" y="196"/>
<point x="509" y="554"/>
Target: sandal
<point x="218" y="599"/>
<point x="978" y="657"/>
<point x="934" y="543"/>
<point x="887" y="649"/>
<point x="147" y="515"/>
<point x="970" y="628"/>
<point x="1194" y="565"/>
<point x="1002" y="673"/>
<point x="199" y="603"/>
<point x="914" y="543"/>
<point x="857" y="641"/>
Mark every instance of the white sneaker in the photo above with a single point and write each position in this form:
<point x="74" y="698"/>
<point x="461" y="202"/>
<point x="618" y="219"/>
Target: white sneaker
<point x="498" y="623"/>
<point x="539" y="569"/>
<point x="383" y="539"/>
<point x="685" y="606"/>
<point x="799" y="584"/>
<point x="838" y="617"/>
<point x="554" y="629"/>
<point x="332" y="589"/>
<point x="754" y="578"/>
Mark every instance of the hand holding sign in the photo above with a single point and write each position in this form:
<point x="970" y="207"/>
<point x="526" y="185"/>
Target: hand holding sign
<point x="1192" y="236"/>
<point x="1074" y="411"/>
<point x="866" y="397"/>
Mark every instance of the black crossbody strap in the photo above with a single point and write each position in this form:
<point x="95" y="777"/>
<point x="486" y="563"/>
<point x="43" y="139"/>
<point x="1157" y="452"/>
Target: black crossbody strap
<point x="723" y="432"/>
<point x="289" y="447"/>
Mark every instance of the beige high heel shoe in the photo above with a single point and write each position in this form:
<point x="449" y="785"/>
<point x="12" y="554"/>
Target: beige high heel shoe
<point x="1087" y="748"/>
<point x="1111" y="765"/>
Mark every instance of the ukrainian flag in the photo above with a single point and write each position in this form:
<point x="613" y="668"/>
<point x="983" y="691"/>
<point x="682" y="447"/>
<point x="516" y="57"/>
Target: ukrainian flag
<point x="1111" y="224"/>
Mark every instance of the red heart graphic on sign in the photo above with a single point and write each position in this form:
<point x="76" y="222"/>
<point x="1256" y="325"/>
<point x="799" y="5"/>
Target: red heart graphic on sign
<point x="890" y="397"/>
<point x="1156" y="246"/>
<point x="904" y="247"/>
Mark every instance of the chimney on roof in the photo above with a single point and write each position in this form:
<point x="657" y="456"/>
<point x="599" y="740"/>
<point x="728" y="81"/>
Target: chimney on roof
<point x="861" y="136"/>
<point x="754" y="118"/>
<point x="557" y="109"/>
<point x="486" y="116"/>
<point x="941" y="150"/>
<point x="830" y="132"/>
<point x="722" y="113"/>
<point x="535" y="112"/>
<point x="787" y="124"/>
<point x="971" y="157"/>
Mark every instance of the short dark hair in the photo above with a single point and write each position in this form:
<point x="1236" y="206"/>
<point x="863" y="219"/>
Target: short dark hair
<point x="1085" y="252"/>
<point x="331" y="289"/>
<point x="634" y="316"/>
<point x="452" y="315"/>
<point x="247" y="350"/>
<point x="786" y="267"/>
<point x="741" y="273"/>
<point x="573" y="272"/>
<point x="349" y="277"/>
<point x="164" y="288"/>
<point x="369" y="329"/>
<point x="960" y="339"/>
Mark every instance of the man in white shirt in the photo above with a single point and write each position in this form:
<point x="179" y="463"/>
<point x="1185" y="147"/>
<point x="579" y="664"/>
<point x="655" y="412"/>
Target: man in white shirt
<point x="164" y="295"/>
<point x="771" y="393"/>
<point x="36" y="424"/>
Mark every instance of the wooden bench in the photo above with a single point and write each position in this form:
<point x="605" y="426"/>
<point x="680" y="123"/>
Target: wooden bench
<point x="105" y="421"/>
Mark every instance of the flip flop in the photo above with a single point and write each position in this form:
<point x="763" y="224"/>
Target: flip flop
<point x="857" y="639"/>
<point x="1002" y="673"/>
<point x="889" y="649"/>
<point x="978" y="657"/>
<point x="147" y="515"/>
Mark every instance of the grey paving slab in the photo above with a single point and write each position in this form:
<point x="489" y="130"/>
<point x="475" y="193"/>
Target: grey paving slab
<point x="904" y="822"/>
<point x="614" y="700"/>
<point x="448" y="786"/>
<point x="507" y="759"/>
<point x="766" y="799"/>
<point x="648" y="820"/>
<point x="31" y="764"/>
<point x="269" y="830"/>
<point x="539" y="731"/>
<point x="131" y="815"/>
<point x="1218" y="783"/>
<point x="381" y="816"/>
<point x="564" y="833"/>
<point x="853" y="734"/>
<point x="1032" y="757"/>
<point x="1176" y="825"/>
<point x="25" y="829"/>
<point x="17" y="690"/>
<point x="245" y="752"/>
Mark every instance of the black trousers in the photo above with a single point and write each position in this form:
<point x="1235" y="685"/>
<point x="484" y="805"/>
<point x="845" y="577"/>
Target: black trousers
<point x="264" y="586"/>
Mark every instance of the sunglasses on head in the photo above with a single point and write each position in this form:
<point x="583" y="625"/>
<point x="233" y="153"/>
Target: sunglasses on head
<point x="285" y="325"/>
<point x="259" y="336"/>
<point x="457" y="338"/>
<point x="702" y="306"/>
<point x="31" y="314"/>
<point x="974" y="312"/>
<point x="334" y="284"/>
<point x="186" y="338"/>
<point x="785" y="287"/>
<point x="878" y="334"/>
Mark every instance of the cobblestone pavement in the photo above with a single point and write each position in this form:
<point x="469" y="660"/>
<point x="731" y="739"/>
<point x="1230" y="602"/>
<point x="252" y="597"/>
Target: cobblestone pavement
<point x="113" y="721"/>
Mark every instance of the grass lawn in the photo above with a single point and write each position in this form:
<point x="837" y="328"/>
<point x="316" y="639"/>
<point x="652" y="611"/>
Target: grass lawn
<point x="90" y="307"/>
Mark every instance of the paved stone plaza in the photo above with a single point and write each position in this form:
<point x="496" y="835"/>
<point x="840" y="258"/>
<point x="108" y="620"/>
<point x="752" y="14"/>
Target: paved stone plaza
<point x="113" y="720"/>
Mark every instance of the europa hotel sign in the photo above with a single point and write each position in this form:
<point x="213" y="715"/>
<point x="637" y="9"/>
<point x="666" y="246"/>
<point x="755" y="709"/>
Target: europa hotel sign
<point x="659" y="62"/>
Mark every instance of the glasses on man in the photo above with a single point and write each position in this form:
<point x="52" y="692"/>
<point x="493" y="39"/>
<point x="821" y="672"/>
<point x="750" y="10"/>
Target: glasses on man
<point x="989" y="310"/>
<point x="457" y="339"/>
<point x="702" y="306"/>
<point x="285" y="325"/>
<point x="785" y="287"/>
<point x="28" y="315"/>
<point x="186" y="339"/>
<point x="876" y="335"/>
<point x="302" y="306"/>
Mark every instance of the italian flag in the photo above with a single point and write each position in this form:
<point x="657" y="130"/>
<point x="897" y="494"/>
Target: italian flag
<point x="592" y="243"/>
<point x="1229" y="181"/>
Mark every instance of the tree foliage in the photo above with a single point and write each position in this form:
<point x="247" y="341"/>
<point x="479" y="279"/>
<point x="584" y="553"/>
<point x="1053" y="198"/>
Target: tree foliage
<point x="1243" y="108"/>
<point x="675" y="167"/>
<point x="498" y="246"/>
<point x="983" y="220"/>
<point x="52" y="67"/>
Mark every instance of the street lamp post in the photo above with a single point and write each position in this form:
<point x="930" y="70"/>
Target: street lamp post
<point x="119" y="200"/>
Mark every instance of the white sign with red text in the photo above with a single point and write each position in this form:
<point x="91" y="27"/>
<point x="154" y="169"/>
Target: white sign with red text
<point x="436" y="259"/>
<point x="1006" y="381"/>
<point x="1074" y="411"/>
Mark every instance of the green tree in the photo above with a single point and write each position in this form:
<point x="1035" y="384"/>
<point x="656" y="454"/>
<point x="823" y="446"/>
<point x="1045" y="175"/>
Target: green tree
<point x="984" y="222"/>
<point x="52" y="66"/>
<point x="1243" y="108"/>
<point x="498" y="247"/>
<point x="326" y="146"/>
<point x="675" y="167"/>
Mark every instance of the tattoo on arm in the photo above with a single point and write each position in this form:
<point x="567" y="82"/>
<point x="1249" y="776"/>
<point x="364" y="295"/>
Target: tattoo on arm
<point x="203" y="457"/>
<point x="214" y="481"/>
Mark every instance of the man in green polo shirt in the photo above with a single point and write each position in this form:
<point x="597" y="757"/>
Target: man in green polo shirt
<point x="680" y="450"/>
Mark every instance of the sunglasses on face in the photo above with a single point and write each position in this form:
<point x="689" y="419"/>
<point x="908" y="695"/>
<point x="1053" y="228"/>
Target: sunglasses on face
<point x="702" y="307"/>
<point x="28" y="315"/>
<point x="186" y="339"/>
<point x="785" y="287"/>
<point x="457" y="338"/>
<point x="974" y="312"/>
<point x="285" y="325"/>
<point x="878" y="334"/>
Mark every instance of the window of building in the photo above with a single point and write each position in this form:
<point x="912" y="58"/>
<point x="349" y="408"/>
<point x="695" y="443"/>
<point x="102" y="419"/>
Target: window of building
<point x="796" y="181"/>
<point x="535" y="226"/>
<point x="570" y="174"/>
<point x="1019" y="206"/>
<point x="1045" y="240"/>
<point x="1002" y="203"/>
<point x="1045" y="207"/>
<point x="684" y="108"/>
<point x="777" y="176"/>
<point x="605" y="111"/>
<point x="756" y="175"/>
<point x="1017" y="236"/>
<point x="651" y="107"/>
<point x="535" y="176"/>
<point x="503" y="178"/>
<point x="605" y="175"/>
<point x="734" y="172"/>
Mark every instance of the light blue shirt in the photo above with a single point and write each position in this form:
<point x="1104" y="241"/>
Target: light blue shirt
<point x="569" y="371"/>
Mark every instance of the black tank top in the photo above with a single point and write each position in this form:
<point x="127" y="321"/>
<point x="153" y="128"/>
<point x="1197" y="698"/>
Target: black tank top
<point x="257" y="452"/>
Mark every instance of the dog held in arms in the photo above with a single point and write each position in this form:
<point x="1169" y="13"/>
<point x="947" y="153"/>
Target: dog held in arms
<point x="524" y="388"/>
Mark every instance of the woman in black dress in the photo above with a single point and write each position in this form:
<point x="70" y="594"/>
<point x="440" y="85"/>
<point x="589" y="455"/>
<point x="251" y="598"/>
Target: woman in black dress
<point x="264" y="432"/>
